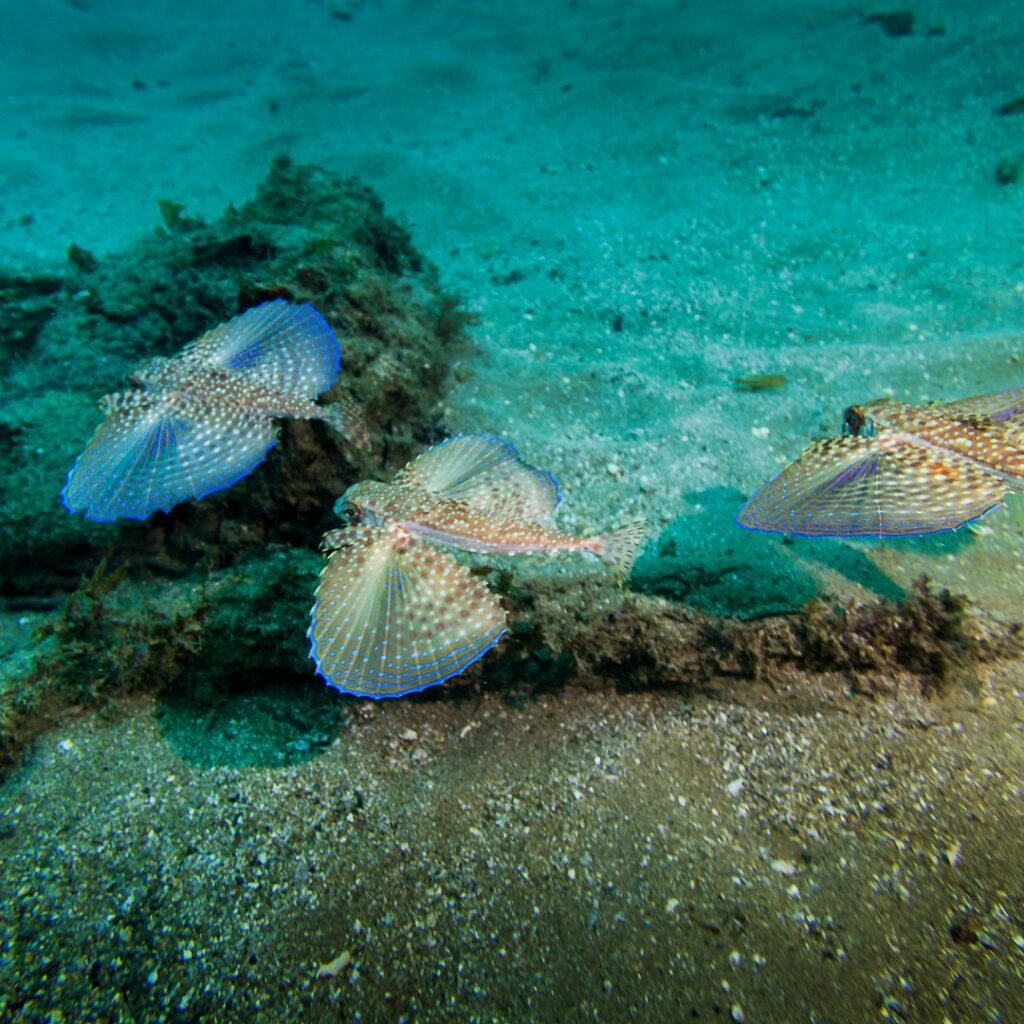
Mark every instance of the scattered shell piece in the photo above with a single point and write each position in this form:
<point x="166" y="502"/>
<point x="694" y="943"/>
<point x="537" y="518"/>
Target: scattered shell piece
<point x="336" y="966"/>
<point x="409" y="736"/>
<point x="783" y="867"/>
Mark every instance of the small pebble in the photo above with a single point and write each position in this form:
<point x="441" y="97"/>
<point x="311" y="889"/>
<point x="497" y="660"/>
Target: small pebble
<point x="735" y="787"/>
<point x="783" y="867"/>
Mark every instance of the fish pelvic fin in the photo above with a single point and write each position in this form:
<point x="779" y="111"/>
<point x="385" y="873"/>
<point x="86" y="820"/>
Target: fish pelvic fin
<point x="618" y="548"/>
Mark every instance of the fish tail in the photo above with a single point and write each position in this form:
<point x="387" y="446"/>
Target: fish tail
<point x="618" y="548"/>
<point x="348" y="418"/>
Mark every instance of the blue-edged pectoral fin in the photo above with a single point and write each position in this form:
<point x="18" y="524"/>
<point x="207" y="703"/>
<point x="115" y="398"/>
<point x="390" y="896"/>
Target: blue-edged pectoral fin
<point x="877" y="486"/>
<point x="394" y="615"/>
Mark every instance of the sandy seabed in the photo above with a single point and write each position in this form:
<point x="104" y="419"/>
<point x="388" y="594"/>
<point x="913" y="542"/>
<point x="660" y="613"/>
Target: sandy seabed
<point x="583" y="857"/>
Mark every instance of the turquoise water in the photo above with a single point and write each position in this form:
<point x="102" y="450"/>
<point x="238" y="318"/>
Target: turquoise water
<point x="660" y="247"/>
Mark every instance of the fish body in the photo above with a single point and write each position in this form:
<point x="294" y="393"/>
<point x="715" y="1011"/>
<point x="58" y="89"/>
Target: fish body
<point x="457" y="524"/>
<point x="394" y="612"/>
<point x="900" y="470"/>
<point x="197" y="422"/>
<point x="220" y="388"/>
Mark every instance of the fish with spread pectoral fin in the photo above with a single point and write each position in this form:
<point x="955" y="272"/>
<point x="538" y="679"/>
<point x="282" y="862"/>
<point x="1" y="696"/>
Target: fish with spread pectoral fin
<point x="200" y="421"/>
<point x="394" y="613"/>
<point x="900" y="470"/>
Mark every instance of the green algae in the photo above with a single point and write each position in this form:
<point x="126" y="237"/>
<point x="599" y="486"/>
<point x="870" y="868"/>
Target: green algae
<point x="929" y="642"/>
<point x="196" y="641"/>
<point x="226" y="653"/>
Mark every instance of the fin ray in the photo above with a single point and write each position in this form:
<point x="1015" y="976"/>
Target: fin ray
<point x="155" y="450"/>
<point x="618" y="548"/>
<point x="998" y="406"/>
<point x="279" y="345"/>
<point x="485" y="473"/>
<point x="859" y="487"/>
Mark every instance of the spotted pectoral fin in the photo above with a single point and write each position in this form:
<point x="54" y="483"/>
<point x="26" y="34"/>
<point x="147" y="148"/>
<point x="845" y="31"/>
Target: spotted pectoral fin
<point x="285" y="347"/>
<point x="998" y="406"/>
<point x="394" y="615"/>
<point x="485" y="473"/>
<point x="154" y="451"/>
<point x="856" y="486"/>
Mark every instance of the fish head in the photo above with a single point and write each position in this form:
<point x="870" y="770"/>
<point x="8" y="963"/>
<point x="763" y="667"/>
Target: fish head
<point x="857" y="423"/>
<point x="364" y="503"/>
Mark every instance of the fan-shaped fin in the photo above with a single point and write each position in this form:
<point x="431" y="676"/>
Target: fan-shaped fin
<point x="288" y="348"/>
<point x="618" y="547"/>
<point x="394" y="615"/>
<point x="858" y="486"/>
<point x="155" y="450"/>
<point x="485" y="473"/>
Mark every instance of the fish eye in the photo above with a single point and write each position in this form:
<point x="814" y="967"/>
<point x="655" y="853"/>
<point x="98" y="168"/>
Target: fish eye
<point x="349" y="511"/>
<point x="856" y="424"/>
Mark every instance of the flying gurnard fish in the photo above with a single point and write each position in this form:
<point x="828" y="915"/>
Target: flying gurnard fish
<point x="900" y="470"/>
<point x="394" y="613"/>
<point x="200" y="421"/>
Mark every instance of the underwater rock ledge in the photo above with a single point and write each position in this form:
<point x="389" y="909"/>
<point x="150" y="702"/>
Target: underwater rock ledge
<point x="243" y="629"/>
<point x="931" y="642"/>
<point x="308" y="235"/>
